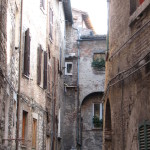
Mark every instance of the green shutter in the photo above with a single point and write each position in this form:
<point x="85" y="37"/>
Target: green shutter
<point x="144" y="136"/>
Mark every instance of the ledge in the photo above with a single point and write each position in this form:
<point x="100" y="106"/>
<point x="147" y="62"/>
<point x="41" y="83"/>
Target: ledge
<point x="136" y="15"/>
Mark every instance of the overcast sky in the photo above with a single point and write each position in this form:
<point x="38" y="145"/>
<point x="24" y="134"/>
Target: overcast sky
<point x="97" y="10"/>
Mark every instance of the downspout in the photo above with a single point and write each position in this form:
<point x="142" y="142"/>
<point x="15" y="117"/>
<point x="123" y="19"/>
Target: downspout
<point x="107" y="41"/>
<point x="78" y="111"/>
<point x="19" y="79"/>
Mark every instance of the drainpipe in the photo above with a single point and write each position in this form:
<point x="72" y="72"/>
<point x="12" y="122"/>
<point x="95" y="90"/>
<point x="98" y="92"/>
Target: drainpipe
<point x="19" y="79"/>
<point x="107" y="42"/>
<point x="78" y="111"/>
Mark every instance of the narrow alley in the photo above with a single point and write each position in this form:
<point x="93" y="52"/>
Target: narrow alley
<point x="74" y="75"/>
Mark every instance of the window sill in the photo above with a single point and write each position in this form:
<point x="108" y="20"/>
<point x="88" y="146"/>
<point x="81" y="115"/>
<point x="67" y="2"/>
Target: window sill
<point x="27" y="77"/>
<point x="136" y="15"/>
<point x="98" y="128"/>
<point x="41" y="87"/>
<point x="67" y="74"/>
<point x="23" y="146"/>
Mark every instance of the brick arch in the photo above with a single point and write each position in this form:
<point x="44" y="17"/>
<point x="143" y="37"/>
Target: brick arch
<point x="108" y="121"/>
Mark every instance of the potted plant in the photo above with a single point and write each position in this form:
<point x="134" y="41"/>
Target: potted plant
<point x="97" y="122"/>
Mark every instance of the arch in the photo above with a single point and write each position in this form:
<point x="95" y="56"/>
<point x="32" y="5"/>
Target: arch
<point x="100" y="94"/>
<point x="108" y="121"/>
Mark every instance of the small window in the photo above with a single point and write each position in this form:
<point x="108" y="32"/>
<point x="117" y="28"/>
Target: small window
<point x="144" y="136"/>
<point x="24" y="126"/>
<point x="68" y="68"/>
<point x="34" y="132"/>
<point x="98" y="61"/>
<point x="98" y="115"/>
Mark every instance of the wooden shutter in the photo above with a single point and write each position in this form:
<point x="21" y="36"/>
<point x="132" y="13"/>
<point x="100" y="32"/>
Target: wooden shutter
<point x="45" y="71"/>
<point x="144" y="136"/>
<point x="49" y="52"/>
<point x="39" y="65"/>
<point x="34" y="130"/>
<point x="24" y="122"/>
<point x="49" y="78"/>
<point x="27" y="54"/>
<point x="133" y="6"/>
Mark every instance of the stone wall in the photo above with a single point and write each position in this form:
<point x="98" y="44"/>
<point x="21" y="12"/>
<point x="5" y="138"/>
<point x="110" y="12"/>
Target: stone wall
<point x="90" y="80"/>
<point x="91" y="136"/>
<point x="128" y="93"/>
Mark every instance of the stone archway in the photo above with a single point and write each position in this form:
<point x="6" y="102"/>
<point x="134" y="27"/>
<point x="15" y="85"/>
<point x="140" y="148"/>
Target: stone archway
<point x="107" y="127"/>
<point x="91" y="135"/>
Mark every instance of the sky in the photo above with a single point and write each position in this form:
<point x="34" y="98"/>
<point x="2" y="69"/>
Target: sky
<point x="97" y="10"/>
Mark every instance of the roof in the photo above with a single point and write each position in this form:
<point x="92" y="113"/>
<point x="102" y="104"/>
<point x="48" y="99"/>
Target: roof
<point x="86" y="19"/>
<point x="92" y="37"/>
<point x="68" y="10"/>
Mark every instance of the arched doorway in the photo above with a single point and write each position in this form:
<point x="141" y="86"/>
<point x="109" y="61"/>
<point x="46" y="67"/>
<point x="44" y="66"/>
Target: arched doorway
<point x="108" y="122"/>
<point x="92" y="125"/>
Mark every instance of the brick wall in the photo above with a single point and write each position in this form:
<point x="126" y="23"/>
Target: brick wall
<point x="128" y="98"/>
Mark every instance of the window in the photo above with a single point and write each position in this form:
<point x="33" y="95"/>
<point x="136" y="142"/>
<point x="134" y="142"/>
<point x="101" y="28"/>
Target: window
<point x="144" y="136"/>
<point x="97" y="114"/>
<point x="51" y="24"/>
<point x="24" y="126"/>
<point x="27" y="54"/>
<point x="34" y="131"/>
<point x="42" y="68"/>
<point x="42" y="4"/>
<point x="99" y="61"/>
<point x="68" y="68"/>
<point x="134" y="4"/>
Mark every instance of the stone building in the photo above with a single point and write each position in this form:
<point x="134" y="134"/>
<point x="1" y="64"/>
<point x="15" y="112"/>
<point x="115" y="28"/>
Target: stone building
<point x="126" y="107"/>
<point x="84" y="84"/>
<point x="31" y="68"/>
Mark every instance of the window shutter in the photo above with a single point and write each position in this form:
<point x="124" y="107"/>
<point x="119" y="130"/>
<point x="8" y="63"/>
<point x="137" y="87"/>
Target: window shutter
<point x="27" y="54"/>
<point x="45" y="71"/>
<point x="49" y="53"/>
<point x="49" y="78"/>
<point x="34" y="131"/>
<point x="39" y="65"/>
<point x="132" y="6"/>
<point x="144" y="136"/>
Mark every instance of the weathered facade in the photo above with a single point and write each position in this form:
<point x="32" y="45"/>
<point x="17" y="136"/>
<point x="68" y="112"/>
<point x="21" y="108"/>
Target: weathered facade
<point x="31" y="62"/>
<point x="84" y="84"/>
<point x="126" y="110"/>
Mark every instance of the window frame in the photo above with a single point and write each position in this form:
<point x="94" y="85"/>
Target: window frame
<point x="100" y="112"/>
<point x="66" y="73"/>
